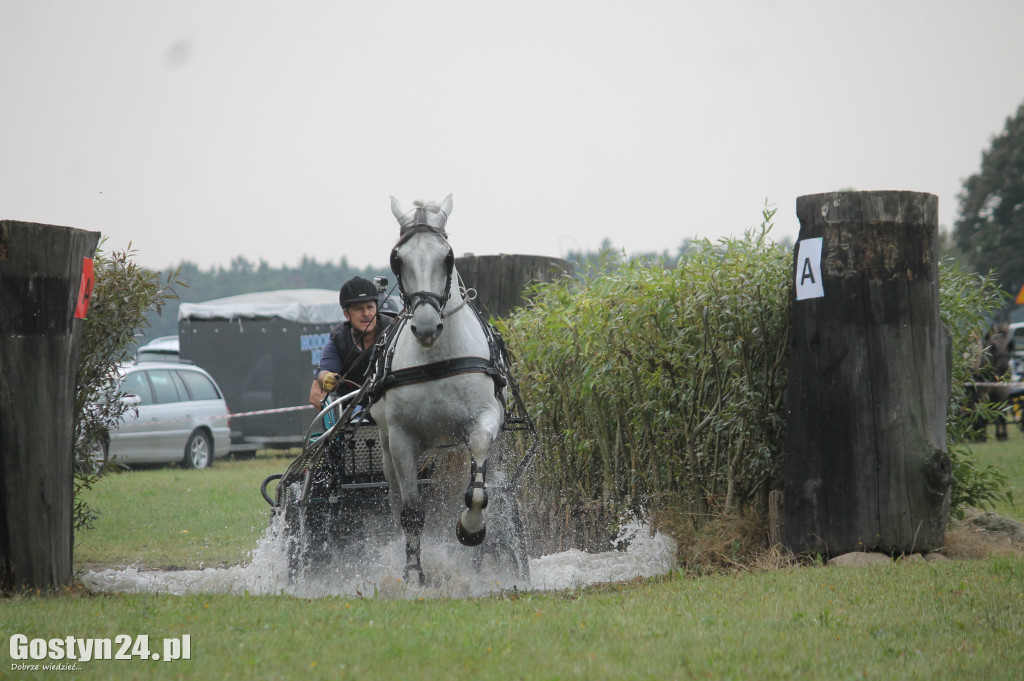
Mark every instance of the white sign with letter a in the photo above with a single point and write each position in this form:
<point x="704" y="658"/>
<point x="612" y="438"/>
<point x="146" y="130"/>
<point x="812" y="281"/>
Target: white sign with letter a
<point x="808" y="269"/>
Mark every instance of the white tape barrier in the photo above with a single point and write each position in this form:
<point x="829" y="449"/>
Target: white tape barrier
<point x="242" y="413"/>
<point x="272" y="411"/>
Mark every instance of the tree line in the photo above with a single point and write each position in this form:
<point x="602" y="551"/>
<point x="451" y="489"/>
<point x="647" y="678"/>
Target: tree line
<point x="196" y="285"/>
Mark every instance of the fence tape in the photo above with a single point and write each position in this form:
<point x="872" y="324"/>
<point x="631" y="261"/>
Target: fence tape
<point x="261" y="412"/>
<point x="270" y="411"/>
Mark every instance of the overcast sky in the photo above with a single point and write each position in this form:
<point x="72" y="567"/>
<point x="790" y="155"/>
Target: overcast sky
<point x="203" y="130"/>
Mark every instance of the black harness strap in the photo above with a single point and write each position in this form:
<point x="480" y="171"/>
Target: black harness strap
<point x="437" y="370"/>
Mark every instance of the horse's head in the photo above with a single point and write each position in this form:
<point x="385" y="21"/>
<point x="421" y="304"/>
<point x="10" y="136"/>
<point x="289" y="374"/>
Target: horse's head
<point x="424" y="263"/>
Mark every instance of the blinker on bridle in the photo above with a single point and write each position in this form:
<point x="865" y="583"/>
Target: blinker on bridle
<point x="414" y="300"/>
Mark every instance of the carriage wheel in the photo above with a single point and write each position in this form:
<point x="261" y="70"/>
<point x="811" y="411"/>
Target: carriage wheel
<point x="306" y="530"/>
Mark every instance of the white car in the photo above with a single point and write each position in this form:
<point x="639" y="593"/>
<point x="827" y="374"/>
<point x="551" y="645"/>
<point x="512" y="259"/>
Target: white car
<point x="162" y="349"/>
<point x="176" y="413"/>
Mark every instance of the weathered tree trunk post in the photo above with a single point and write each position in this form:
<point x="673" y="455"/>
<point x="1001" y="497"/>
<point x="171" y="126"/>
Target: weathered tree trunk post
<point x="866" y="460"/>
<point x="45" y="281"/>
<point x="501" y="280"/>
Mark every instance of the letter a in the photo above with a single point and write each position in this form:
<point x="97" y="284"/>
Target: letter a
<point x="807" y="272"/>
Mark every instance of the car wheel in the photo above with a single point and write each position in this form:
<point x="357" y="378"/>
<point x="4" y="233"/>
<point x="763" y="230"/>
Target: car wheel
<point x="198" y="451"/>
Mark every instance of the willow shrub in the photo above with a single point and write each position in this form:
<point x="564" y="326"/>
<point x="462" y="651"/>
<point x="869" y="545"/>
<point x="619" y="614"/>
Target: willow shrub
<point x="123" y="294"/>
<point x="650" y="382"/>
<point x="967" y="300"/>
<point x="647" y="380"/>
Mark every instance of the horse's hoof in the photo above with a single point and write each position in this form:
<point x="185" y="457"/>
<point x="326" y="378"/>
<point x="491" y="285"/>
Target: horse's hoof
<point x="469" y="538"/>
<point x="418" y="571"/>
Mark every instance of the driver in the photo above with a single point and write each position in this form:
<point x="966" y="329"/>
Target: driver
<point x="345" y="361"/>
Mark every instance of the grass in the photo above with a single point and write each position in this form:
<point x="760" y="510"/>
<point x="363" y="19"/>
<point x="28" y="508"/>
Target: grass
<point x="960" y="619"/>
<point x="1008" y="458"/>
<point x="956" y="619"/>
<point x="169" y="516"/>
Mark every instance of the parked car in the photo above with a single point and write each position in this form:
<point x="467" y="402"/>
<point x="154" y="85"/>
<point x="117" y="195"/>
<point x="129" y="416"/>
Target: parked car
<point x="177" y="413"/>
<point x="162" y="349"/>
<point x="1017" y="356"/>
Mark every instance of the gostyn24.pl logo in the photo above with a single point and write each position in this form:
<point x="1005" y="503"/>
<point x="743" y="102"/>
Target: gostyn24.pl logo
<point x="69" y="650"/>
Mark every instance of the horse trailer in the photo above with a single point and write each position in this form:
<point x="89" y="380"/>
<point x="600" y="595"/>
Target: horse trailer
<point x="262" y="349"/>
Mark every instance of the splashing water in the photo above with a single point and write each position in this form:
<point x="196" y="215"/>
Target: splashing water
<point x="368" y="569"/>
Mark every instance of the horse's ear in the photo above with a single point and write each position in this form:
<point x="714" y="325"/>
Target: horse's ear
<point x="446" y="205"/>
<point x="396" y="209"/>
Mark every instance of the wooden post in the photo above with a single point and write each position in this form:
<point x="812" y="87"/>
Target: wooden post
<point x="43" y="298"/>
<point x="501" y="280"/>
<point x="866" y="461"/>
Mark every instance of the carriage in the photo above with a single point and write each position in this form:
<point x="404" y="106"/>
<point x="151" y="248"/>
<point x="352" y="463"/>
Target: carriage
<point x="335" y="493"/>
<point x="433" y="411"/>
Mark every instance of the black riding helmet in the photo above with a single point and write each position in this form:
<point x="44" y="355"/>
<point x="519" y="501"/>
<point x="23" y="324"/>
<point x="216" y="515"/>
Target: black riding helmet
<point x="357" y="290"/>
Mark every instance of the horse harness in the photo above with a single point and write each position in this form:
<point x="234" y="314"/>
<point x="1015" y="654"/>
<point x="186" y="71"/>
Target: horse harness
<point x="497" y="365"/>
<point x="384" y="378"/>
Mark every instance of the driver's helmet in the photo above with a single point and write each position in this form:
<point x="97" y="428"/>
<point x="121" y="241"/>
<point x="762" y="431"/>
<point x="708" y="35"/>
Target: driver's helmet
<point x="389" y="305"/>
<point x="357" y="290"/>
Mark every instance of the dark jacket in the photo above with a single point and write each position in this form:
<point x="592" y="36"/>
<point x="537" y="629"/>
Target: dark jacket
<point x="342" y="356"/>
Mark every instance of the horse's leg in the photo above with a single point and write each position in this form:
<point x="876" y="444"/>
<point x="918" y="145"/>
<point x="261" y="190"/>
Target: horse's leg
<point x="401" y="453"/>
<point x="472" y="527"/>
<point x="1001" y="395"/>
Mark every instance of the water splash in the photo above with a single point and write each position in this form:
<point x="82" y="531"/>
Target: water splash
<point x="373" y="570"/>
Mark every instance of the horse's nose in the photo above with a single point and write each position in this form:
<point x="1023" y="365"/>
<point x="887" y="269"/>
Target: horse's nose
<point x="427" y="334"/>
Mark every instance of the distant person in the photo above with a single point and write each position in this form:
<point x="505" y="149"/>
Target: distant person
<point x="345" y="361"/>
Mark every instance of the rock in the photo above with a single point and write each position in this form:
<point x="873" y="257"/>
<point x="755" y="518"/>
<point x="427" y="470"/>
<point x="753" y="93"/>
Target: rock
<point x="990" y="522"/>
<point x="912" y="558"/>
<point x="860" y="559"/>
<point x="935" y="557"/>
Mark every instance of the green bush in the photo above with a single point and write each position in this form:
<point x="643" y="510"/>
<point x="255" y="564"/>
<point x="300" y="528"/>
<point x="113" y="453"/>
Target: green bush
<point x="650" y="382"/>
<point x="121" y="297"/>
<point x="967" y="301"/>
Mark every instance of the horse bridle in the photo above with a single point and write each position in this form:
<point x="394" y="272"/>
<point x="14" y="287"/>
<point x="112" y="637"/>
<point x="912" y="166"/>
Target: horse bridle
<point x="414" y="300"/>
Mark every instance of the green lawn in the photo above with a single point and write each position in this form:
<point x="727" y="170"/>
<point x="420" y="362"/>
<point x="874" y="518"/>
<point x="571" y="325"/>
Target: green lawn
<point x="958" y="619"/>
<point x="1008" y="457"/>
<point x="170" y="516"/>
<point x="952" y="620"/>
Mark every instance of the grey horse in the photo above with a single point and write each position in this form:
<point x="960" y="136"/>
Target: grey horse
<point x="447" y="403"/>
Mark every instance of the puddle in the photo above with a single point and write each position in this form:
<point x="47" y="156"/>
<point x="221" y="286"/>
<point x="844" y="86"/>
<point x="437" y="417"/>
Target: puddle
<point x="374" y="570"/>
